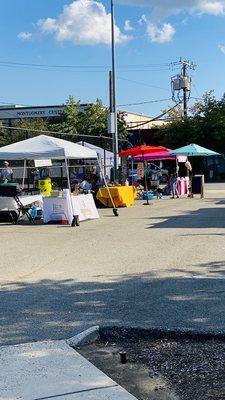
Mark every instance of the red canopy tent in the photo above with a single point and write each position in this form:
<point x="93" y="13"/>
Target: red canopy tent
<point x="154" y="156"/>
<point x="142" y="150"/>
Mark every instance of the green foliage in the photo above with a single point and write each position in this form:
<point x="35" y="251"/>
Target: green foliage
<point x="206" y="126"/>
<point x="91" y="121"/>
<point x="4" y="133"/>
<point x="122" y="131"/>
<point x="70" y="119"/>
<point x="74" y="122"/>
<point x="13" y="135"/>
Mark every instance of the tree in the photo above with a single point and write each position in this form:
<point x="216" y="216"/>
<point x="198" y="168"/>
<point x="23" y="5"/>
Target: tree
<point x="30" y="128"/>
<point x="70" y="117"/>
<point x="4" y="133"/>
<point x="206" y="126"/>
<point x="93" y="121"/>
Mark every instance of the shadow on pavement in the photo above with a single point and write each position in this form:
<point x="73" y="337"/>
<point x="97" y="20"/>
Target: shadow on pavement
<point x="217" y="268"/>
<point x="52" y="309"/>
<point x="201" y="218"/>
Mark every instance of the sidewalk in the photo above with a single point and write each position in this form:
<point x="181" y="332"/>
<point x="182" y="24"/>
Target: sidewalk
<point x="53" y="370"/>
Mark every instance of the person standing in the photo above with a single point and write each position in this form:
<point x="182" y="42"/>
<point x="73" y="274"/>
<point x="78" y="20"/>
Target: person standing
<point x="6" y="172"/>
<point x="36" y="176"/>
<point x="173" y="185"/>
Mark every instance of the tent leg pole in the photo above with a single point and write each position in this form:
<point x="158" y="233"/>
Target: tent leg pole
<point x="132" y="171"/>
<point x="68" y="174"/>
<point x="75" y="221"/>
<point x="115" y="210"/>
<point x="146" y="185"/>
<point x="24" y="172"/>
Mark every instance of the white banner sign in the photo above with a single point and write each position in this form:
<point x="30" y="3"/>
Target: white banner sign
<point x="42" y="163"/>
<point x="56" y="209"/>
<point x="84" y="206"/>
<point x="59" y="208"/>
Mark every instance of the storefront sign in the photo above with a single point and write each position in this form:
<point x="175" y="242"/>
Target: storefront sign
<point x="34" y="112"/>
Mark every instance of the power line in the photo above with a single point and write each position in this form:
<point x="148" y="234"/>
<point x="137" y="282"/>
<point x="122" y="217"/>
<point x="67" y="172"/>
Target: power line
<point x="155" y="118"/>
<point x="86" y="68"/>
<point x="79" y="70"/>
<point x="142" y="83"/>
<point x="53" y="132"/>
<point x="83" y="66"/>
<point x="144" y="102"/>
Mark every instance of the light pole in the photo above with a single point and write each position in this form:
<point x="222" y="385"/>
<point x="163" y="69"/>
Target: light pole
<point x="113" y="110"/>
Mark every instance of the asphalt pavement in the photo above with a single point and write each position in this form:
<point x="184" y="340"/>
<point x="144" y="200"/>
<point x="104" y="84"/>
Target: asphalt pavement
<point x="161" y="265"/>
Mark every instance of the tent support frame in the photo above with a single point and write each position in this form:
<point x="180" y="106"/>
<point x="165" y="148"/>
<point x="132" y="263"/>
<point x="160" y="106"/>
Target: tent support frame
<point x="24" y="173"/>
<point x="115" y="210"/>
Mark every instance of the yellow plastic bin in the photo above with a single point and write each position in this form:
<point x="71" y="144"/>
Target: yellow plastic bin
<point x="45" y="186"/>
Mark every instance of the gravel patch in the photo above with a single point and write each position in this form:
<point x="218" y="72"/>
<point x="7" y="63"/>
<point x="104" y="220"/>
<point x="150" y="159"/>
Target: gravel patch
<point x="188" y="366"/>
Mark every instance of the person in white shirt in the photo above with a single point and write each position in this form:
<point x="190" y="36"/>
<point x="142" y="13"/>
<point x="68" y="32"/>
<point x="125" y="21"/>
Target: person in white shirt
<point x="86" y="185"/>
<point x="6" y="172"/>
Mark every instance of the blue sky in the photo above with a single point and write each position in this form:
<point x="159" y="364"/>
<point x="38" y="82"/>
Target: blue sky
<point x="77" y="33"/>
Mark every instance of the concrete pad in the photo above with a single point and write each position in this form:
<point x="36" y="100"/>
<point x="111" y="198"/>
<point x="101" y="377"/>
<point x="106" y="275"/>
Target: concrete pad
<point x="44" y="370"/>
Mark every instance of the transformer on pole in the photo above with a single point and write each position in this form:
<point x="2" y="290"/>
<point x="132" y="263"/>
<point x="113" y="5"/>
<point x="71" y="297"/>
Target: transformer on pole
<point x="181" y="83"/>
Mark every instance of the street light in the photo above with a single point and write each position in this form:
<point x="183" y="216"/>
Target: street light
<point x="113" y="110"/>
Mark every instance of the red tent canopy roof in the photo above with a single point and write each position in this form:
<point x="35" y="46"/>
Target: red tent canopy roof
<point x="142" y="150"/>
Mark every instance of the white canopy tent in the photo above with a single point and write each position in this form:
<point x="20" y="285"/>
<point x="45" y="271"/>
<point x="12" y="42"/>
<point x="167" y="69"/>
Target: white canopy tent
<point x="44" y="147"/>
<point x="48" y="147"/>
<point x="106" y="157"/>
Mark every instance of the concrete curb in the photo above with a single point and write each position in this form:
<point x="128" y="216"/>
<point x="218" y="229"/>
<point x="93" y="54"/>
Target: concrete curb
<point x="88" y="336"/>
<point x="94" y="333"/>
<point x="126" y="331"/>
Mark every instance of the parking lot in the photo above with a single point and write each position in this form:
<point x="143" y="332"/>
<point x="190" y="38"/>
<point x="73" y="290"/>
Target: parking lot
<point x="161" y="265"/>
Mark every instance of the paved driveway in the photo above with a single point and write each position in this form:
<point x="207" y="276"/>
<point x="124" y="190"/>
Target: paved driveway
<point x="161" y="265"/>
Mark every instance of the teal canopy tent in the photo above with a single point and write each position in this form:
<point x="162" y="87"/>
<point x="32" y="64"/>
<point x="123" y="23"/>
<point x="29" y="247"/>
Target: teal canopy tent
<point x="193" y="150"/>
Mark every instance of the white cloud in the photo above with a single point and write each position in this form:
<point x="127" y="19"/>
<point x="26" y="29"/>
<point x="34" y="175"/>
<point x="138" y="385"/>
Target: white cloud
<point x="142" y="20"/>
<point x="48" y="25"/>
<point x="82" y="22"/>
<point x="165" y="8"/>
<point x="127" y="26"/>
<point x="163" y="34"/>
<point x="25" y="36"/>
<point x="222" y="48"/>
<point x="213" y="7"/>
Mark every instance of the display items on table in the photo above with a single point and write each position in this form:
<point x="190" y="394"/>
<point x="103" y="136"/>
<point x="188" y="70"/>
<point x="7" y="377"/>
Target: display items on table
<point x="149" y="195"/>
<point x="140" y="191"/>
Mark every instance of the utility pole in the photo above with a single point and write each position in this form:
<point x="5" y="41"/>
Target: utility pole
<point x="182" y="82"/>
<point x="185" y="89"/>
<point x="113" y="111"/>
